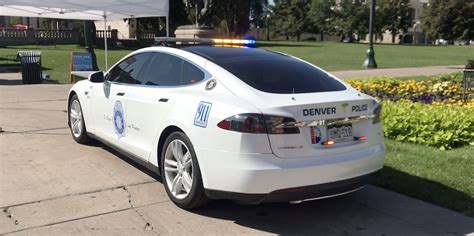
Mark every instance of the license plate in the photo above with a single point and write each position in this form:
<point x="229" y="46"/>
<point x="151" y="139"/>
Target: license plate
<point x="341" y="133"/>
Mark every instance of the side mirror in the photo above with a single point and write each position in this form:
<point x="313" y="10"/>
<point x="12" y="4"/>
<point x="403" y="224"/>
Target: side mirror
<point x="97" y="77"/>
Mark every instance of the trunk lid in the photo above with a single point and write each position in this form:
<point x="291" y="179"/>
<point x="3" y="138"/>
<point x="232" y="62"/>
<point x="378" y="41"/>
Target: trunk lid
<point x="341" y="116"/>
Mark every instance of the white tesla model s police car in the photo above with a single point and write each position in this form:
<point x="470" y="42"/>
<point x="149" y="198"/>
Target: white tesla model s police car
<point x="232" y="123"/>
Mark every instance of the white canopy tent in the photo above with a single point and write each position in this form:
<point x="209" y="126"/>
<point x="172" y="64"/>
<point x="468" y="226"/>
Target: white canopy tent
<point x="87" y="10"/>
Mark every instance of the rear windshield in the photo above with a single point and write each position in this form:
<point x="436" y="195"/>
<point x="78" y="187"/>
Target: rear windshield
<point x="281" y="74"/>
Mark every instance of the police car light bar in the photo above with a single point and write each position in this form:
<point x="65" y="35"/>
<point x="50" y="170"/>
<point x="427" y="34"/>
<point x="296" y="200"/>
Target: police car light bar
<point x="170" y="41"/>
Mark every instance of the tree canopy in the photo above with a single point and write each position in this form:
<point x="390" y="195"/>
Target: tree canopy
<point x="449" y="19"/>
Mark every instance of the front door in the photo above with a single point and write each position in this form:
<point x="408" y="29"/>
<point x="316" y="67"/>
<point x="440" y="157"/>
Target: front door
<point x="163" y="81"/>
<point x="110" y="100"/>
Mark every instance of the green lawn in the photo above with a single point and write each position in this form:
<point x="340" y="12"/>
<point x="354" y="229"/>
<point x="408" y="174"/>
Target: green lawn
<point x="444" y="178"/>
<point x="56" y="59"/>
<point x="344" y="56"/>
<point x="328" y="55"/>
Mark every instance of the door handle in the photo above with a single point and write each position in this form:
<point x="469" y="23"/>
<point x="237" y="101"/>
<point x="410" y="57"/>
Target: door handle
<point x="163" y="100"/>
<point x="120" y="94"/>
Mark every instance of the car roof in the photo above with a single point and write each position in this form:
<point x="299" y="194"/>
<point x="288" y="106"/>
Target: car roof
<point x="215" y="53"/>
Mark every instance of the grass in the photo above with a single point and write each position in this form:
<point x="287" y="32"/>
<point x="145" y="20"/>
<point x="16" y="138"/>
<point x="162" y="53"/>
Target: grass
<point x="56" y="59"/>
<point x="444" y="178"/>
<point x="334" y="56"/>
<point x="415" y="78"/>
<point x="328" y="55"/>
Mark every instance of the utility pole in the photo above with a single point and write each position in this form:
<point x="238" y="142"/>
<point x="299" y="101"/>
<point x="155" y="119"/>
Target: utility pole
<point x="369" y="62"/>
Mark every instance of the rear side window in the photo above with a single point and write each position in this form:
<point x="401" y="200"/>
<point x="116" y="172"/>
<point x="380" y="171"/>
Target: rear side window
<point x="163" y="70"/>
<point x="281" y="74"/>
<point x="169" y="70"/>
<point x="191" y="74"/>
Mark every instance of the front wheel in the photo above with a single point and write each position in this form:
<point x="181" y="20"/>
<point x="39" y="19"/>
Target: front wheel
<point x="76" y="121"/>
<point x="180" y="172"/>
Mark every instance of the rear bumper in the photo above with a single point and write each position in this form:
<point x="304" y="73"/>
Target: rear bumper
<point x="299" y="193"/>
<point x="265" y="173"/>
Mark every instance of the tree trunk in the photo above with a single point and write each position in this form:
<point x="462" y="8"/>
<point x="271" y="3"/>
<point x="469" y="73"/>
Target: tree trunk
<point x="287" y="37"/>
<point x="322" y="36"/>
<point x="298" y="36"/>
<point x="393" y="38"/>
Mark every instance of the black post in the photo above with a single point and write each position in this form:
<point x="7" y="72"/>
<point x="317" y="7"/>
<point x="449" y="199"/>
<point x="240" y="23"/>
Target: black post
<point x="268" y="27"/>
<point x="369" y="62"/>
<point x="89" y="36"/>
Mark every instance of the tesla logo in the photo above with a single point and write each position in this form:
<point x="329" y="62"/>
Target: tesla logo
<point x="344" y="106"/>
<point x="202" y="114"/>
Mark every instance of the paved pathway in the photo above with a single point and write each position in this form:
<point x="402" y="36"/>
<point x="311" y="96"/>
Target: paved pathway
<point x="398" y="72"/>
<point x="50" y="185"/>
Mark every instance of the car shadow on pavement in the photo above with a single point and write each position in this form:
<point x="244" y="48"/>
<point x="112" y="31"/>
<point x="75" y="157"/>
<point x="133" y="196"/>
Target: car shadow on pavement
<point x="134" y="163"/>
<point x="343" y="214"/>
<point x="421" y="188"/>
<point x="307" y="218"/>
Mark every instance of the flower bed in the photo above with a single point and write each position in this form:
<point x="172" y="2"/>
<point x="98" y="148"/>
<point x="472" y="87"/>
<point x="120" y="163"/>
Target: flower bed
<point x="428" y="112"/>
<point x="442" y="89"/>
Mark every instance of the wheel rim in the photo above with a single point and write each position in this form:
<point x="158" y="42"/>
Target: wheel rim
<point x="76" y="118"/>
<point x="178" y="169"/>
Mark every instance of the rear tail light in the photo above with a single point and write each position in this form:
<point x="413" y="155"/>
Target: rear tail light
<point x="259" y="124"/>
<point x="244" y="123"/>
<point x="377" y="114"/>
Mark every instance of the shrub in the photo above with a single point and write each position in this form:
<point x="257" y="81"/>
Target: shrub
<point x="442" y="126"/>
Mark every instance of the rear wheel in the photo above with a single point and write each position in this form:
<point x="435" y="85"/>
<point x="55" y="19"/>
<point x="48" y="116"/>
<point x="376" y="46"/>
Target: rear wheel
<point x="180" y="172"/>
<point x="76" y="121"/>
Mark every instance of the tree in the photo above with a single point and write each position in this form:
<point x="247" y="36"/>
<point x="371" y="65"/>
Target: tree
<point x="236" y="15"/>
<point x="290" y="18"/>
<point x="449" y="19"/>
<point x="396" y="15"/>
<point x="351" y="17"/>
<point x="230" y="17"/>
<point x="279" y="15"/>
<point x="321" y="16"/>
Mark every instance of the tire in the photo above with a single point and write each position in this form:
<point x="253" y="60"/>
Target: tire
<point x="176" y="171"/>
<point x="76" y="121"/>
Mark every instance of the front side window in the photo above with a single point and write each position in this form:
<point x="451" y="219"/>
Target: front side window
<point x="169" y="70"/>
<point x="128" y="71"/>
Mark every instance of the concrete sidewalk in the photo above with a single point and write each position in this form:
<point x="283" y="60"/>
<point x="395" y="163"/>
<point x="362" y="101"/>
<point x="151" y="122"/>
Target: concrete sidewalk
<point x="398" y="72"/>
<point x="50" y="185"/>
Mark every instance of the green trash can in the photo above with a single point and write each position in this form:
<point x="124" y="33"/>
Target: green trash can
<point x="31" y="71"/>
